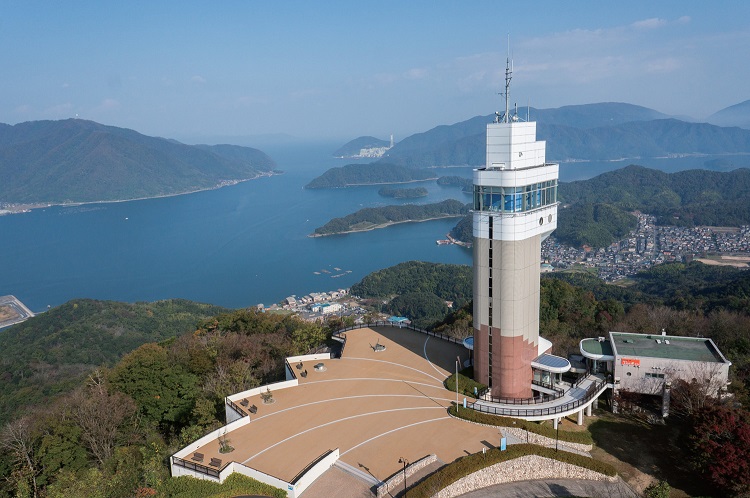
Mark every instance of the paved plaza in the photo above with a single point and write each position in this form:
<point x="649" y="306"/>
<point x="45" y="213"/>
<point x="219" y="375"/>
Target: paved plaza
<point x="376" y="406"/>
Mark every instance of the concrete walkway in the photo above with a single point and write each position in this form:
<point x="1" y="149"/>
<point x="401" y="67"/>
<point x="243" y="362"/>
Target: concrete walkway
<point x="571" y="402"/>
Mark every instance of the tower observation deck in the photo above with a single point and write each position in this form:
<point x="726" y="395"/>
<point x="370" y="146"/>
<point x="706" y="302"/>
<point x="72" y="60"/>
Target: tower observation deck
<point x="515" y="209"/>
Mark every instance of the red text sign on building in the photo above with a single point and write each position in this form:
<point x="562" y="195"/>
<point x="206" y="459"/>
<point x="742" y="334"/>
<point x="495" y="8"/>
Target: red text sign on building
<point x="630" y="362"/>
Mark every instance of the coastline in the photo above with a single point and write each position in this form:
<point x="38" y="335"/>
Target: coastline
<point x="385" y="225"/>
<point x="9" y="208"/>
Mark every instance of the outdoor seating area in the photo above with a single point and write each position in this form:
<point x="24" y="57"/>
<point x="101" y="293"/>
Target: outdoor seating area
<point x="373" y="407"/>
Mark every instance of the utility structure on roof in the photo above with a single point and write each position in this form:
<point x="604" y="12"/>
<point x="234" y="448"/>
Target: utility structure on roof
<point x="515" y="209"/>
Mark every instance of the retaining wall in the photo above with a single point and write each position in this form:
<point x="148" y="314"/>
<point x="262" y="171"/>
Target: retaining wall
<point x="524" y="468"/>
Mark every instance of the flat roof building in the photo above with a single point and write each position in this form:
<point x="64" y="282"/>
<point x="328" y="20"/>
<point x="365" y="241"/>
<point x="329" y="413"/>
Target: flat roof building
<point x="650" y="363"/>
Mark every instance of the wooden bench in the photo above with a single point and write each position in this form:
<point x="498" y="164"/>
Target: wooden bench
<point x="215" y="462"/>
<point x="198" y="457"/>
<point x="253" y="409"/>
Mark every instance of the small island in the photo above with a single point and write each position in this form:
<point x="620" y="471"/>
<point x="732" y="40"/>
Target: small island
<point x="380" y="217"/>
<point x="403" y="193"/>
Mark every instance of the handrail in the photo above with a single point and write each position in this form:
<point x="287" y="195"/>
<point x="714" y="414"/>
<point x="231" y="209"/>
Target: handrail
<point x="309" y="466"/>
<point x="237" y="409"/>
<point x="289" y="367"/>
<point x="547" y="385"/>
<point x="381" y="323"/>
<point x="593" y="391"/>
<point x="203" y="469"/>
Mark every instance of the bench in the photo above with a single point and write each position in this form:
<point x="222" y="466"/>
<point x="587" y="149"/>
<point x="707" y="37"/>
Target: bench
<point x="253" y="409"/>
<point x="198" y="457"/>
<point x="215" y="462"/>
<point x="244" y="402"/>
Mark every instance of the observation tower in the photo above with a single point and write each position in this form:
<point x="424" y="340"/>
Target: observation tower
<point x="515" y="209"/>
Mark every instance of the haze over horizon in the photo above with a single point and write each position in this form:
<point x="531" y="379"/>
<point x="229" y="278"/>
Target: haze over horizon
<point x="201" y="71"/>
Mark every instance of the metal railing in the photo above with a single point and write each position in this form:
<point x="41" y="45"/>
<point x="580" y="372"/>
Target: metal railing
<point x="289" y="367"/>
<point x="437" y="335"/>
<point x="558" y="391"/>
<point x="237" y="409"/>
<point x="593" y="391"/>
<point x="309" y="466"/>
<point x="198" y="467"/>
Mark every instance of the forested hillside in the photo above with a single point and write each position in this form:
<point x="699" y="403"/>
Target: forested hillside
<point x="369" y="218"/>
<point x="596" y="225"/>
<point x="75" y="160"/>
<point x="54" y="351"/>
<point x="369" y="174"/>
<point x="418" y="290"/>
<point x="110" y="434"/>
<point x="685" y="198"/>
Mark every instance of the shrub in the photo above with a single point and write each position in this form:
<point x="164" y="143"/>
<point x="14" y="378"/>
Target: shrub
<point x="235" y="484"/>
<point x="466" y="384"/>
<point x="542" y="430"/>
<point x="478" y="461"/>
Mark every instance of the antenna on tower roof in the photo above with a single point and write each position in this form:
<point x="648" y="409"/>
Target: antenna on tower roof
<point x="505" y="118"/>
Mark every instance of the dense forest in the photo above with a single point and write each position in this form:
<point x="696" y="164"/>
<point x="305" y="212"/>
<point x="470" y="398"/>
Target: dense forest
<point x="110" y="433"/>
<point x="685" y="198"/>
<point x="418" y="290"/>
<point x="369" y="174"/>
<point x="403" y="193"/>
<point x="93" y="162"/>
<point x="369" y="218"/>
<point x="596" y="225"/>
<point x="57" y="349"/>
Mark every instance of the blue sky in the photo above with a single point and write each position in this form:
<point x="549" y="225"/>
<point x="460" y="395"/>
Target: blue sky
<point x="202" y="72"/>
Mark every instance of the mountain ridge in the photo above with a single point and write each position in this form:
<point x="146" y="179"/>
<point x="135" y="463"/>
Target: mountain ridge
<point x="75" y="160"/>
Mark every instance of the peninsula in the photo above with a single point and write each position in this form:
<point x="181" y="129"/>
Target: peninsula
<point x="381" y="217"/>
<point x="75" y="161"/>
<point x="369" y="174"/>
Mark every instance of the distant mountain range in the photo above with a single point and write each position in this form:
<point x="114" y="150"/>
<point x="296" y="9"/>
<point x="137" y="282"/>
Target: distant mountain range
<point x="76" y="160"/>
<point x="584" y="132"/>
<point x="735" y="115"/>
<point x="604" y="131"/>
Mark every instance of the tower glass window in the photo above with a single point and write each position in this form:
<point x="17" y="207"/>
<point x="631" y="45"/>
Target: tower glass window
<point x="515" y="199"/>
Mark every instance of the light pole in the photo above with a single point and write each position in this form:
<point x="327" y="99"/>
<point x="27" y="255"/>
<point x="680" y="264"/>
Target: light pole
<point x="456" y="384"/>
<point x="405" y="462"/>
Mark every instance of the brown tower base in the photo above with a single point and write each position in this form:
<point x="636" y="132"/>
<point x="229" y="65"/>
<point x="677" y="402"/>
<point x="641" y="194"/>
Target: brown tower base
<point x="511" y="363"/>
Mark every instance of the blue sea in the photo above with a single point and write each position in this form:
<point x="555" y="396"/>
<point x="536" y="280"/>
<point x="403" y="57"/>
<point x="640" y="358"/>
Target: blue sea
<point x="235" y="246"/>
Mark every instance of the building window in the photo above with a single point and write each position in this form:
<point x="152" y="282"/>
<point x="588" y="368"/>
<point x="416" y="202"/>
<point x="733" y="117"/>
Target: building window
<point x="515" y="199"/>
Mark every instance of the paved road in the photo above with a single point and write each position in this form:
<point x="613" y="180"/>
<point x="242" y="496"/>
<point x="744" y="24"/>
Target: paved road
<point x="557" y="487"/>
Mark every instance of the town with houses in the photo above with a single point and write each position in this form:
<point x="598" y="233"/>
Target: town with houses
<point x="649" y="245"/>
<point x="646" y="246"/>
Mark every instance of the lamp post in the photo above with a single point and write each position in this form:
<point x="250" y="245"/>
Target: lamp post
<point x="456" y="384"/>
<point x="405" y="462"/>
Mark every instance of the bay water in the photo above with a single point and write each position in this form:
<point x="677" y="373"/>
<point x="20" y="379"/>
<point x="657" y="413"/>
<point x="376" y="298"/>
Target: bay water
<point x="235" y="246"/>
